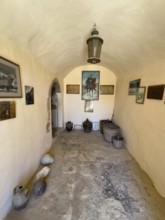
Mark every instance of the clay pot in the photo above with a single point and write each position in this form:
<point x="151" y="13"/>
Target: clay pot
<point x="118" y="141"/>
<point x="69" y="126"/>
<point x="87" y="126"/>
<point x="104" y="122"/>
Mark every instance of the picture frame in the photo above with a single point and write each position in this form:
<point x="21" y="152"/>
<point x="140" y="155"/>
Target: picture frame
<point x="10" y="81"/>
<point x="106" y="89"/>
<point x="78" y="127"/>
<point x="29" y="95"/>
<point x="133" y="87"/>
<point x="155" y="92"/>
<point x="73" y="89"/>
<point x="88" y="106"/>
<point x="7" y="110"/>
<point x="95" y="126"/>
<point x="90" y="85"/>
<point x="140" y="96"/>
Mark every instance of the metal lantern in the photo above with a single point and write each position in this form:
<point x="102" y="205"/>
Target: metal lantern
<point x="94" y="46"/>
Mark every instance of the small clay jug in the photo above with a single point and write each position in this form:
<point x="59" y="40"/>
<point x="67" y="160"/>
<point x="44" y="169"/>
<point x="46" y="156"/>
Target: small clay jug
<point x="69" y="126"/>
<point x="87" y="126"/>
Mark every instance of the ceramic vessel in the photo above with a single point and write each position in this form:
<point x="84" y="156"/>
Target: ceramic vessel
<point x="118" y="141"/>
<point x="109" y="131"/>
<point x="69" y="126"/>
<point x="87" y="126"/>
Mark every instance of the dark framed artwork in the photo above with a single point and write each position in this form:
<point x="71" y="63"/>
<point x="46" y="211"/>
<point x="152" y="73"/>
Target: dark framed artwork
<point x="29" y="95"/>
<point x="106" y="89"/>
<point x="155" y="92"/>
<point x="7" y="110"/>
<point x="10" y="82"/>
<point x="133" y="87"/>
<point x="73" y="89"/>
<point x="90" y="85"/>
<point x="140" y="96"/>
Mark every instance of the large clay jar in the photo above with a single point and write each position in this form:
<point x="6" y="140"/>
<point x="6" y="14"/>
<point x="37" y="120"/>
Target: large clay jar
<point x="87" y="126"/>
<point x="69" y="126"/>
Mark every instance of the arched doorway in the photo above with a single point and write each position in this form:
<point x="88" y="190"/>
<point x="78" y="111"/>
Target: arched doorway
<point x="56" y="109"/>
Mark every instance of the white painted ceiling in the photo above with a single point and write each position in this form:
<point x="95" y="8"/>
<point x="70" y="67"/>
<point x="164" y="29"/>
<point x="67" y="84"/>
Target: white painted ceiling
<point x="55" y="31"/>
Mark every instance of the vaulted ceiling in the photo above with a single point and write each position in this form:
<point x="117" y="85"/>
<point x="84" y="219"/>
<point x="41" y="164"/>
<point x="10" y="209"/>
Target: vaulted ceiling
<point x="55" y="31"/>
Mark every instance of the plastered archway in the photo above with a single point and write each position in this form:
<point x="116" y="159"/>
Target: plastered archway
<point x="55" y="106"/>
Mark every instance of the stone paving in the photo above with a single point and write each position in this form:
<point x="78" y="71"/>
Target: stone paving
<point x="91" y="180"/>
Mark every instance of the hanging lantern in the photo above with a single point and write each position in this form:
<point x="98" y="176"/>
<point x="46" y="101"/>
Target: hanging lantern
<point x="94" y="46"/>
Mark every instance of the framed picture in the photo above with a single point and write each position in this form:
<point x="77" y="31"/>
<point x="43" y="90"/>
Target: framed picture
<point x="95" y="126"/>
<point x="133" y="87"/>
<point x="140" y="96"/>
<point x="7" y="110"/>
<point x="90" y="85"/>
<point x="155" y="92"/>
<point x="88" y="106"/>
<point x="106" y="89"/>
<point x="78" y="127"/>
<point x="10" y="82"/>
<point x="29" y="95"/>
<point x="72" y="89"/>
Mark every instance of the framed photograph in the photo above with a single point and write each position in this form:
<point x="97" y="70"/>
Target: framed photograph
<point x="155" y="92"/>
<point x="73" y="89"/>
<point x="140" y="96"/>
<point x="29" y="95"/>
<point x="95" y="126"/>
<point x="90" y="85"/>
<point x="106" y="89"/>
<point x="7" y="110"/>
<point x="78" y="127"/>
<point x="10" y="82"/>
<point x="88" y="106"/>
<point x="133" y="87"/>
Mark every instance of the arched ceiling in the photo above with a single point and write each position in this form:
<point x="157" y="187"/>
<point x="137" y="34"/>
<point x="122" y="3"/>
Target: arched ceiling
<point x="55" y="31"/>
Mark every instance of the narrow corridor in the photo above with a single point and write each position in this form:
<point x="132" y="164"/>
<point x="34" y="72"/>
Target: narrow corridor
<point x="91" y="180"/>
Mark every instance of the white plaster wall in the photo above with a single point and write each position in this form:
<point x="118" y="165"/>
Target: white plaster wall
<point x="74" y="105"/>
<point x="143" y="125"/>
<point x="23" y="139"/>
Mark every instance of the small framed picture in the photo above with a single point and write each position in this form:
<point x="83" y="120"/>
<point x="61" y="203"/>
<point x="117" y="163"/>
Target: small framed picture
<point x="88" y="106"/>
<point x="95" y="126"/>
<point x="73" y="89"/>
<point x="29" y="95"/>
<point x="106" y="89"/>
<point x="133" y="87"/>
<point x="7" y="110"/>
<point x="140" y="96"/>
<point x="78" y="127"/>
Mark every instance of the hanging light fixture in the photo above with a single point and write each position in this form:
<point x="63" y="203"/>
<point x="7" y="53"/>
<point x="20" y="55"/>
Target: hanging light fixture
<point x="94" y="46"/>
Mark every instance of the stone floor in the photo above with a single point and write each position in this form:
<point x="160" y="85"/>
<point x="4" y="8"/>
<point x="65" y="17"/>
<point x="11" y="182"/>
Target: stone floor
<point x="91" y="180"/>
